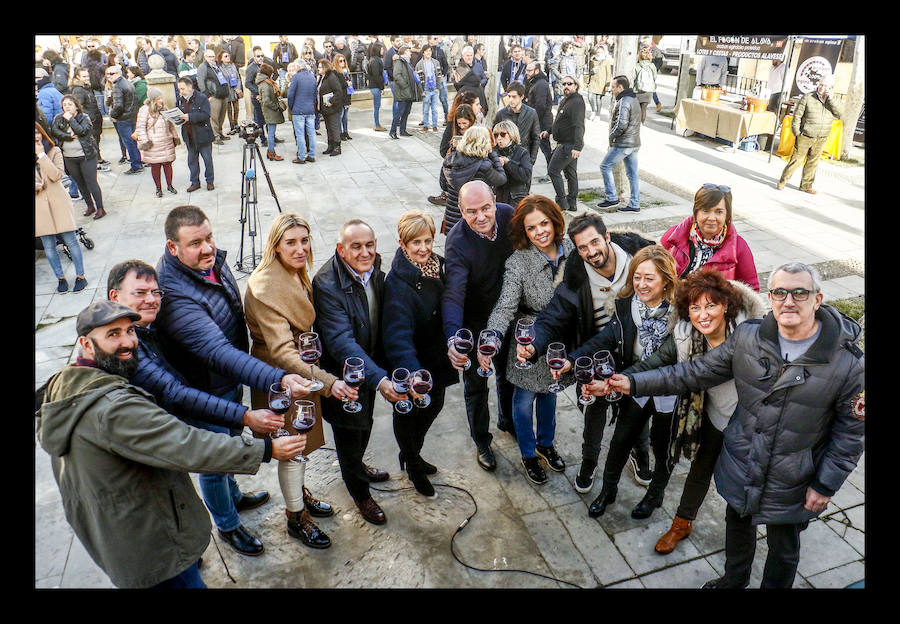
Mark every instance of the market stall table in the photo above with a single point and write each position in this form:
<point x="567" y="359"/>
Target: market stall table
<point x="723" y="120"/>
<point x="833" y="144"/>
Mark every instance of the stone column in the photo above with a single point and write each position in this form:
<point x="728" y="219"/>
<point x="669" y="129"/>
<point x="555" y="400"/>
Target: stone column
<point x="163" y="81"/>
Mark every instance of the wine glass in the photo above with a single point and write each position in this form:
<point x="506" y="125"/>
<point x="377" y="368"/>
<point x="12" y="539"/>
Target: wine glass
<point x="524" y="336"/>
<point x="556" y="359"/>
<point x="604" y="368"/>
<point x="400" y="379"/>
<point x="304" y="419"/>
<point x="310" y="348"/>
<point x="354" y="375"/>
<point x="584" y="374"/>
<point x="280" y="403"/>
<point x="463" y="342"/>
<point x="421" y="384"/>
<point x="488" y="344"/>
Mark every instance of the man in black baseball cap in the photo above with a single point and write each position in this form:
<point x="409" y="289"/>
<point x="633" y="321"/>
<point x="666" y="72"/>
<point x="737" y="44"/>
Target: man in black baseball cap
<point x="121" y="462"/>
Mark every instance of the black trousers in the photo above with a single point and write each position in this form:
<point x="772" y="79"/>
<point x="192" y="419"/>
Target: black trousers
<point x="333" y="127"/>
<point x="97" y="131"/>
<point x="410" y="429"/>
<point x="351" y="446"/>
<point x="697" y="483"/>
<point x="561" y="163"/>
<point x="629" y="425"/>
<point x="84" y="172"/>
<point x="546" y="149"/>
<point x="740" y="547"/>
<point x="475" y="391"/>
<point x="594" y="425"/>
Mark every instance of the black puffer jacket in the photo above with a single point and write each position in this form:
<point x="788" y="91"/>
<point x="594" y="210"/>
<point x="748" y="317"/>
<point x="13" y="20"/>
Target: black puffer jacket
<point x="123" y="104"/>
<point x="81" y="126"/>
<point x="518" y="175"/>
<point x="459" y="168"/>
<point x="88" y="101"/>
<point x="794" y="426"/>
<point x="625" y="125"/>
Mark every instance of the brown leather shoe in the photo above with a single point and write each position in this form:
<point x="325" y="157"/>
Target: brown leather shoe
<point x="375" y="475"/>
<point x="89" y="211"/>
<point x="380" y="129"/>
<point x="681" y="528"/>
<point x="371" y="511"/>
<point x="99" y="214"/>
<point x="810" y="191"/>
<point x="193" y="187"/>
<point x="210" y="186"/>
<point x="273" y="156"/>
<point x="780" y="186"/>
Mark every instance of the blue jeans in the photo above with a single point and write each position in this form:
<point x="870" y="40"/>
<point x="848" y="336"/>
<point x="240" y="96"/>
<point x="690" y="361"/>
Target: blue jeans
<point x="305" y="126"/>
<point x="396" y="104"/>
<point x="193" y="155"/>
<point x="401" y="114"/>
<point x="189" y="579"/>
<point x="655" y="98"/>
<point x="124" y="129"/>
<point x="430" y="103"/>
<point x="282" y="76"/>
<point x="258" y="115"/>
<point x="613" y="156"/>
<point x="72" y="186"/>
<point x="101" y="102"/>
<point x="523" y="402"/>
<point x="345" y="115"/>
<point x="270" y="136"/>
<point x="443" y="96"/>
<point x="49" y="243"/>
<point x="376" y="103"/>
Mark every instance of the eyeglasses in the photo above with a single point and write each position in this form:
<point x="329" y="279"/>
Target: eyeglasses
<point x="140" y="294"/>
<point x="798" y="294"/>
<point x="500" y="134"/>
<point x="567" y="84"/>
<point x="721" y="187"/>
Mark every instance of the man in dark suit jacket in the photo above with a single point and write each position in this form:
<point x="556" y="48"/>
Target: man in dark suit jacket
<point x="197" y="133"/>
<point x="524" y="117"/>
<point x="348" y="292"/>
<point x="514" y="67"/>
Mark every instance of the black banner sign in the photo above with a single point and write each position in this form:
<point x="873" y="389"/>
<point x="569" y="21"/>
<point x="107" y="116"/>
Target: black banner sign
<point x="818" y="57"/>
<point x="761" y="47"/>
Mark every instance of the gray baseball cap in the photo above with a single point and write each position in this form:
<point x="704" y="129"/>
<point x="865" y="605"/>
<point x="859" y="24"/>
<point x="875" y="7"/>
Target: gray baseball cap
<point x="102" y="313"/>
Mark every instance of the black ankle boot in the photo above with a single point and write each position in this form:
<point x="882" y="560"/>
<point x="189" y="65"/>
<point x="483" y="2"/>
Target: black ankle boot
<point x="336" y="151"/>
<point x="416" y="473"/>
<point x="301" y="527"/>
<point x="330" y="148"/>
<point x="606" y="497"/>
<point x="652" y="499"/>
<point x="428" y="469"/>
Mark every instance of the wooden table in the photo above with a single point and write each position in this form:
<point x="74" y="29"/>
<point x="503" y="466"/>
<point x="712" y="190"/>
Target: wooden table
<point x="723" y="120"/>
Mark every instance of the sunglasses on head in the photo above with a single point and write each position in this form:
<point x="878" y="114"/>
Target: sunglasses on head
<point x="721" y="187"/>
<point x="499" y="134"/>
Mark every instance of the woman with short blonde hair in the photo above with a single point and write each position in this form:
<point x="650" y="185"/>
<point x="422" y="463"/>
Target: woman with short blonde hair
<point x="413" y="336"/>
<point x="278" y="308"/>
<point x="476" y="142"/>
<point x="473" y="159"/>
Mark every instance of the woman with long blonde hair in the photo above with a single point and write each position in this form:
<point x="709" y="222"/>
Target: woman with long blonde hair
<point x="278" y="307"/>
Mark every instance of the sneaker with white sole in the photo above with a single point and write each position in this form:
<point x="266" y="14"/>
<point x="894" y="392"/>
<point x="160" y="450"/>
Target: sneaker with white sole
<point x="642" y="474"/>
<point x="585" y="479"/>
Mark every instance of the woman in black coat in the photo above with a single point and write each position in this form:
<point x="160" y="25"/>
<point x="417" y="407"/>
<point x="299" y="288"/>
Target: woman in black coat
<point x="375" y="79"/>
<point x="332" y="84"/>
<point x="413" y="336"/>
<point x="516" y="163"/>
<point x="73" y="132"/>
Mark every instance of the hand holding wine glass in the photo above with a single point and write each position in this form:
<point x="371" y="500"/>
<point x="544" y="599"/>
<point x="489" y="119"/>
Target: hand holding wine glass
<point x="286" y="447"/>
<point x="310" y="348"/>
<point x="421" y="383"/>
<point x="556" y="359"/>
<point x="604" y="368"/>
<point x="297" y="385"/>
<point x="525" y="335"/>
<point x="618" y="383"/>
<point x="280" y="403"/>
<point x="488" y="346"/>
<point x="304" y="420"/>
<point x="584" y="374"/>
<point x="262" y="420"/>
<point x="354" y="376"/>
<point x="462" y="344"/>
<point x="400" y="379"/>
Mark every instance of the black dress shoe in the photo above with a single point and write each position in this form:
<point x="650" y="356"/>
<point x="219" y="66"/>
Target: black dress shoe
<point x="393" y="135"/>
<point x="252" y="500"/>
<point x="316" y="508"/>
<point x="533" y="470"/>
<point x="549" y="455"/>
<point x="300" y="526"/>
<point x="405" y="133"/>
<point x="242" y="541"/>
<point x="606" y="497"/>
<point x="723" y="583"/>
<point x="375" y="475"/>
<point x="651" y="501"/>
<point x="507" y="428"/>
<point x="427" y="468"/>
<point x="486" y="459"/>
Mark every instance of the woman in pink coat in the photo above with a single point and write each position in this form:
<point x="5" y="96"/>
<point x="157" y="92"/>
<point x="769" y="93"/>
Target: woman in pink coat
<point x="709" y="238"/>
<point x="156" y="139"/>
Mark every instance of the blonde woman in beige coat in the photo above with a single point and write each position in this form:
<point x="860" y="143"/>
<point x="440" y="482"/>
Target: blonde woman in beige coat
<point x="278" y="307"/>
<point x="157" y="139"/>
<point x="53" y="212"/>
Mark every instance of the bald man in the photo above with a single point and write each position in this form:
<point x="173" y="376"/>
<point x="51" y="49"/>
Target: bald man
<point x="348" y="292"/>
<point x="475" y="252"/>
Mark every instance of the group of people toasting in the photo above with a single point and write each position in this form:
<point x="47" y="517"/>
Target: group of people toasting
<point x="520" y="298"/>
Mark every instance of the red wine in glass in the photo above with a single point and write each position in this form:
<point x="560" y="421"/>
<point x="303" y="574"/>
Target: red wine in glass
<point x="487" y="349"/>
<point x="304" y="420"/>
<point x="310" y="356"/>
<point x="584" y="374"/>
<point x="400" y="380"/>
<point x="280" y="405"/>
<point x="556" y="363"/>
<point x="422" y="384"/>
<point x="524" y="334"/>
<point x="354" y="375"/>
<point x="310" y="348"/>
<point x="556" y="360"/>
<point x="463" y="343"/>
<point x="488" y="345"/>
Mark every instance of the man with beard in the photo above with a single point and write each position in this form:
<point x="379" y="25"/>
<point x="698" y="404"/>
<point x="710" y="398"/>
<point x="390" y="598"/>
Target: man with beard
<point x="568" y="132"/>
<point x="583" y="303"/>
<point x="121" y="462"/>
<point x="204" y="336"/>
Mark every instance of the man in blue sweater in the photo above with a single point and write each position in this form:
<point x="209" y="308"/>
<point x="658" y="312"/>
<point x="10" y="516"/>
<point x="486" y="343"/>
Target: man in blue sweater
<point x="475" y="252"/>
<point x="302" y="99"/>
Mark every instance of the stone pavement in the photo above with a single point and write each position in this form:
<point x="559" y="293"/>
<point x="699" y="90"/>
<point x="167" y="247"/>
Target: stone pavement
<point x="518" y="526"/>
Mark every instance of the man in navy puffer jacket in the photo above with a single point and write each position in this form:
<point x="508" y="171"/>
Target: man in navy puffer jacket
<point x="203" y="332"/>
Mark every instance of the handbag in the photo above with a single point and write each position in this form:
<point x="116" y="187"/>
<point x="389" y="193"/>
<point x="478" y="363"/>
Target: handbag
<point x="282" y="104"/>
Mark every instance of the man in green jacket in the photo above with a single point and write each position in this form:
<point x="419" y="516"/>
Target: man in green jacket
<point x="121" y="462"/>
<point x="811" y="127"/>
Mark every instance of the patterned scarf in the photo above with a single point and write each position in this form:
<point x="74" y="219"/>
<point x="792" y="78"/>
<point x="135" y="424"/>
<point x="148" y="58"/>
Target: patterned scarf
<point x="431" y="268"/>
<point x="704" y="248"/>
<point x="653" y="328"/>
<point x="689" y="409"/>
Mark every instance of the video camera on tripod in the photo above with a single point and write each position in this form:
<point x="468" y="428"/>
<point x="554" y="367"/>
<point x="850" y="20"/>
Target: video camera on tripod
<point x="249" y="131"/>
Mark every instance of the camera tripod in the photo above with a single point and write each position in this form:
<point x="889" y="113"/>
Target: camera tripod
<point x="250" y="204"/>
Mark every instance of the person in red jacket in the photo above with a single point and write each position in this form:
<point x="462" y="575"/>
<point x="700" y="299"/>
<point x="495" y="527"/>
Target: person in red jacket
<point x="709" y="237"/>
